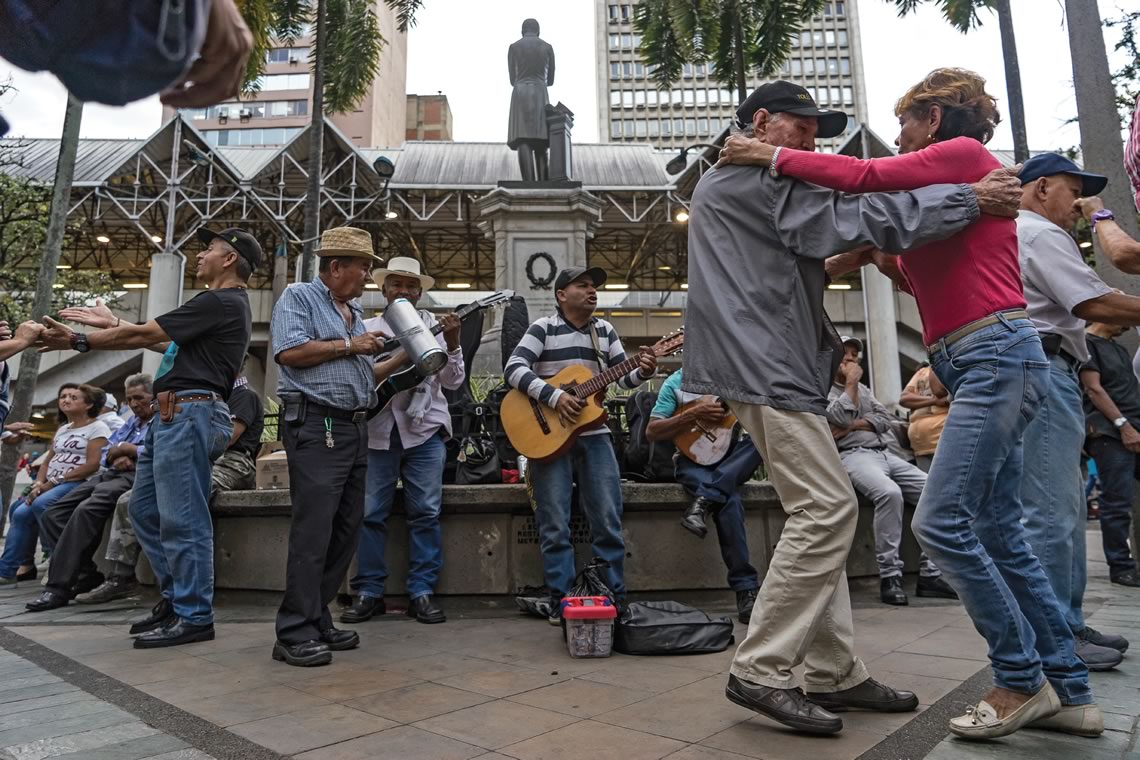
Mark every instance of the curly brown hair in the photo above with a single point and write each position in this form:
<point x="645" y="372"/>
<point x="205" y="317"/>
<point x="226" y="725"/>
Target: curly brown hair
<point x="967" y="109"/>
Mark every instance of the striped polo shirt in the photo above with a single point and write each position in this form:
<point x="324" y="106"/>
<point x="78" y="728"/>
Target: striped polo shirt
<point x="552" y="344"/>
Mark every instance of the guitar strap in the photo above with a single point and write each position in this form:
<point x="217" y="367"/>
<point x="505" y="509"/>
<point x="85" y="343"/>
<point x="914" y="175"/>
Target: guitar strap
<point x="603" y="365"/>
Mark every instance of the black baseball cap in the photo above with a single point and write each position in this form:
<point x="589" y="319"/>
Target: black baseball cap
<point x="785" y="97"/>
<point x="241" y="241"/>
<point x="570" y="274"/>
<point x="1049" y="164"/>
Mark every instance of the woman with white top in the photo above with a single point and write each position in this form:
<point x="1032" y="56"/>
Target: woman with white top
<point x="74" y="457"/>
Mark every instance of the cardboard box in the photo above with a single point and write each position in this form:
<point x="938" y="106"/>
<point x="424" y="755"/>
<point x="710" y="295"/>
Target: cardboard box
<point x="272" y="468"/>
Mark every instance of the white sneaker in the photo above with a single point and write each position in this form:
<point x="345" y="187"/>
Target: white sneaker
<point x="982" y="722"/>
<point x="1082" y="720"/>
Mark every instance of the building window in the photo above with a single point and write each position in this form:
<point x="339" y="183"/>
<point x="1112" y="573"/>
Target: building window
<point x="821" y="67"/>
<point x="615" y="41"/>
<point x="702" y="97"/>
<point x="287" y="55"/>
<point x="266" y="136"/>
<point x="639" y="70"/>
<point x="271" y="82"/>
<point x="636" y="41"/>
<point x="833" y="67"/>
<point x="842" y="38"/>
<point x="651" y="97"/>
<point x="809" y="67"/>
<point x="625" y="13"/>
<point x="836" y="94"/>
<point x="666" y="128"/>
<point x="640" y="128"/>
<point x="829" y="37"/>
<point x="699" y="70"/>
<point x="690" y="127"/>
<point x="687" y="70"/>
<point x="615" y="98"/>
<point x="848" y="98"/>
<point x="817" y="39"/>
<point x="678" y="127"/>
<point x="726" y="98"/>
<point x="676" y="97"/>
<point x="805" y="39"/>
<point x="828" y="10"/>
<point x="823" y="100"/>
<point x="627" y="99"/>
<point x="615" y="71"/>
<point x="689" y="97"/>
<point x="628" y="127"/>
<point x="614" y="13"/>
<point x="615" y="125"/>
<point x="797" y="67"/>
<point x="654" y="128"/>
<point x="627" y="70"/>
<point x="840" y="8"/>
<point x="844" y="66"/>
<point x="626" y="41"/>
<point x="702" y="127"/>
<point x="639" y="97"/>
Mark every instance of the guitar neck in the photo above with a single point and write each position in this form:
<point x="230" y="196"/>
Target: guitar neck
<point x="602" y="380"/>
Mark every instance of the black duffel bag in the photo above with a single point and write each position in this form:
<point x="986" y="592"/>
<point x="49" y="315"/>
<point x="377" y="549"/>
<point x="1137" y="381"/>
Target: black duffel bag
<point x="651" y="628"/>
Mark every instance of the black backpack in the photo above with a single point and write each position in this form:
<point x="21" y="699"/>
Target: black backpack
<point x="646" y="461"/>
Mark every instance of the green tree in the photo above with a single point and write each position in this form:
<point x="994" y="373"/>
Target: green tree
<point x="1127" y="77"/>
<point x="736" y="36"/>
<point x="963" y="16"/>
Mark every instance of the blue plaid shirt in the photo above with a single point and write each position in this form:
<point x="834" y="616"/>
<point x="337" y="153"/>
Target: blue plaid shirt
<point x="306" y="312"/>
<point x="134" y="431"/>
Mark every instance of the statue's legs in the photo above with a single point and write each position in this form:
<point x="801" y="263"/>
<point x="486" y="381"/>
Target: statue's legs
<point x="541" y="170"/>
<point x="526" y="162"/>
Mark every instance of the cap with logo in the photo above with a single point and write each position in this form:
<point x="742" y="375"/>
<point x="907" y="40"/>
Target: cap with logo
<point x="848" y="340"/>
<point x="785" y="97"/>
<point x="570" y="274"/>
<point x="241" y="241"/>
<point x="1050" y="164"/>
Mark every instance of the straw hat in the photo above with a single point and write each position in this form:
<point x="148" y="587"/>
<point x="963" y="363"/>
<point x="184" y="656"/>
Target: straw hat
<point x="404" y="266"/>
<point x="346" y="241"/>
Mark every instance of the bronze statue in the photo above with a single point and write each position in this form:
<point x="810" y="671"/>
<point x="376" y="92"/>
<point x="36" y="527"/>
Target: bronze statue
<point x="530" y="62"/>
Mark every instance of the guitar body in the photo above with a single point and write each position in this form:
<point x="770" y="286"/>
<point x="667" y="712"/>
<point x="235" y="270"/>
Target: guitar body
<point x="705" y="444"/>
<point x="534" y="428"/>
<point x="386" y="391"/>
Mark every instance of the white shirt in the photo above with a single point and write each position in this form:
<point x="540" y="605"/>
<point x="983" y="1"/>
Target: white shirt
<point x="69" y="447"/>
<point x="112" y="420"/>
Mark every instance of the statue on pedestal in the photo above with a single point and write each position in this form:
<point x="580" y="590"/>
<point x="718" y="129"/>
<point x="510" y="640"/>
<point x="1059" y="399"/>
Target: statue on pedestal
<point x="530" y="62"/>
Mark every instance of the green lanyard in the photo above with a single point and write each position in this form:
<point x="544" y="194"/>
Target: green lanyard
<point x="329" y="443"/>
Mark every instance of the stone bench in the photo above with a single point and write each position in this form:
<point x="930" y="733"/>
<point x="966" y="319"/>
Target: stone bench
<point x="490" y="544"/>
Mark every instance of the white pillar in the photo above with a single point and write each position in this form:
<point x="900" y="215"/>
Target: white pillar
<point x="882" y="335"/>
<point x="164" y="293"/>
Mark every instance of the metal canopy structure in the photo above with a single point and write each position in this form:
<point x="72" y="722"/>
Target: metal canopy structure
<point x="135" y="198"/>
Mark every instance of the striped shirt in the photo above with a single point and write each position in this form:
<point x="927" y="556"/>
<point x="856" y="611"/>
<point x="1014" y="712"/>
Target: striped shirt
<point x="306" y="312"/>
<point x="1132" y="153"/>
<point x="552" y="344"/>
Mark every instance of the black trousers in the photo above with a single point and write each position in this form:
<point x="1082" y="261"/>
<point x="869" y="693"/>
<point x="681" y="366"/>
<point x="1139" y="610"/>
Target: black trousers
<point x="327" y="490"/>
<point x="74" y="524"/>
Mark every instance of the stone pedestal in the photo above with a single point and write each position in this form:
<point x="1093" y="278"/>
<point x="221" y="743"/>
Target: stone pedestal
<point x="163" y="294"/>
<point x="543" y="228"/>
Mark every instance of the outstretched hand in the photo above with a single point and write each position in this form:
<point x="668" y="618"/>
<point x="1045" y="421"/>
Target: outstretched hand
<point x="97" y="316"/>
<point x="55" y="337"/>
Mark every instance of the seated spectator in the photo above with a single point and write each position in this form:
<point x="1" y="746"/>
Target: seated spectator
<point x="74" y="457"/>
<point x="233" y="471"/>
<point x="713" y="487"/>
<point x="110" y="414"/>
<point x="861" y="426"/>
<point x="929" y="402"/>
<point x="74" y="524"/>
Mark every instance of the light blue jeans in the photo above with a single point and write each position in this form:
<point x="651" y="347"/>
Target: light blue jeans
<point x="24" y="528"/>
<point x="169" y="506"/>
<point x="969" y="517"/>
<point x="1052" y="498"/>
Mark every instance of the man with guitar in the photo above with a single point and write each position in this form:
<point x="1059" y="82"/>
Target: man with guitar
<point x="406" y="441"/>
<point x="714" y="485"/>
<point x="574" y="336"/>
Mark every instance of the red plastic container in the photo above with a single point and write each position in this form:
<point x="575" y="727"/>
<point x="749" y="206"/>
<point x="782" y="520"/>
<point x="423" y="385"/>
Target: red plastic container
<point x="589" y="624"/>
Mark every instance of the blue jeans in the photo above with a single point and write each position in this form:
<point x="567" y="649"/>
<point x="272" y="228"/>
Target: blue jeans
<point x="421" y="469"/>
<point x="1117" y="468"/>
<point x="24" y="528"/>
<point x="550" y="484"/>
<point x="718" y="484"/>
<point x="1055" y="510"/>
<point x="969" y="517"/>
<point x="169" y="506"/>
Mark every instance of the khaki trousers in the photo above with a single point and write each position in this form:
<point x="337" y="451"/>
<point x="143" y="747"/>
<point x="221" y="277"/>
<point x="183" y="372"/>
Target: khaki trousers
<point x="803" y="612"/>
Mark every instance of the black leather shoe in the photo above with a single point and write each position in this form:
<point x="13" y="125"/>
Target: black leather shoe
<point x="696" y="514"/>
<point x="891" y="591"/>
<point x="934" y="588"/>
<point x="745" y="601"/>
<point x="48" y="600"/>
<point x="161" y="614"/>
<point x="869" y="695"/>
<point x="338" y="640"/>
<point x="174" y="634"/>
<point x="86" y="583"/>
<point x="425" y="610"/>
<point x="1120" y="579"/>
<point x="787" y="706"/>
<point x="1110" y="640"/>
<point x="363" y="609"/>
<point x="307" y="654"/>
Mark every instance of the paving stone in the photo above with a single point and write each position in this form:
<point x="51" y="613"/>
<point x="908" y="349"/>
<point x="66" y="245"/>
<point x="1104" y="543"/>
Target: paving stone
<point x="252" y="704"/>
<point x="183" y="754"/>
<point x="581" y="697"/>
<point x="955" y="643"/>
<point x="929" y="689"/>
<point x="80" y="742"/>
<point x="338" y="687"/>
<point x="689" y="713"/>
<point x="700" y="752"/>
<point x="927" y="665"/>
<point x="178" y="691"/>
<point x="51" y="729"/>
<point x="494" y="725"/>
<point x="762" y="738"/>
<point x="9" y="721"/>
<point x="644" y="674"/>
<point x="590" y="739"/>
<point x="500" y="681"/>
<point x="42" y="678"/>
<point x="308" y="729"/>
<point x="181" y="667"/>
<point x="134" y="749"/>
<point x="401" y="743"/>
<point x="421" y="701"/>
<point x="65" y="698"/>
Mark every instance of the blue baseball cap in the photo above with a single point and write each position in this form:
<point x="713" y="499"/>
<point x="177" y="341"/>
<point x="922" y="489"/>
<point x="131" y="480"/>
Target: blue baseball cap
<point x="1049" y="164"/>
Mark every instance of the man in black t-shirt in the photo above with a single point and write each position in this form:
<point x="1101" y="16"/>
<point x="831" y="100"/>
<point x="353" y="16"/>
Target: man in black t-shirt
<point x="235" y="470"/>
<point x="205" y="343"/>
<point x="1112" y="414"/>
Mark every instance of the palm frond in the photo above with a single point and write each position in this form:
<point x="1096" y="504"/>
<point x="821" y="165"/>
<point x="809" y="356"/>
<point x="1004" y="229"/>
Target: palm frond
<point x="661" y="48"/>
<point x="778" y="21"/>
<point x="695" y="23"/>
<point x="405" y="12"/>
<point x="289" y="19"/>
<point x="963" y="14"/>
<point x="352" y="53"/>
<point x="259" y="17"/>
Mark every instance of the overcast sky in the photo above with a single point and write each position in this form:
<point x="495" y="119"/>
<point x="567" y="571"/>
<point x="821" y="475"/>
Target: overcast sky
<point x="460" y="48"/>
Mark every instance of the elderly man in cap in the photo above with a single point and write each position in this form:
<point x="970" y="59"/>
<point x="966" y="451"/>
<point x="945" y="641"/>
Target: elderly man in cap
<point x="572" y="336"/>
<point x="1062" y="293"/>
<point x="206" y="341"/>
<point x="862" y="428"/>
<point x="757" y="336"/>
<point x="326" y="387"/>
<point x="406" y="441"/>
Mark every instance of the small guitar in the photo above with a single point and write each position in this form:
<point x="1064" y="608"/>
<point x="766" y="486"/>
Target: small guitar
<point x="409" y="378"/>
<point x="706" y="443"/>
<point x="535" y="430"/>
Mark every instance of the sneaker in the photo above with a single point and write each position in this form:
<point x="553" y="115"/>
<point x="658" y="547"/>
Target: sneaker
<point x="1110" y="640"/>
<point x="1097" y="659"/>
<point x="555" y="613"/>
<point x="113" y="588"/>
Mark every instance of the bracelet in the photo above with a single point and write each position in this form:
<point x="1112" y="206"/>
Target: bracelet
<point x="118" y="321"/>
<point x="347" y="347"/>
<point x="772" y="171"/>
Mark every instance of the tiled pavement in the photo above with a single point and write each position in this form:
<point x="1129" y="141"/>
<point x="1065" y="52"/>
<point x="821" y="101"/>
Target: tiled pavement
<point x="491" y="684"/>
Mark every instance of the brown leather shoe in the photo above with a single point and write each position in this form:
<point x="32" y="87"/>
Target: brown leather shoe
<point x="787" y="706"/>
<point x="869" y="695"/>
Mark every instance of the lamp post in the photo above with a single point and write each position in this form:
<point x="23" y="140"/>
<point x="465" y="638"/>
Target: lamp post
<point x="678" y="164"/>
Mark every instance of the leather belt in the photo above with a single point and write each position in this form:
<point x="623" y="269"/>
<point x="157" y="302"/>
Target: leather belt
<point x="971" y="328"/>
<point x="188" y="398"/>
<point x="1051" y="342"/>
<point x="360" y="415"/>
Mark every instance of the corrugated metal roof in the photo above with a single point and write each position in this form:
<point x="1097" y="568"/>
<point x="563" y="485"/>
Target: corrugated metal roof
<point x="248" y="161"/>
<point x="35" y="158"/>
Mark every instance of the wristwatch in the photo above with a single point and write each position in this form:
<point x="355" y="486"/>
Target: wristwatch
<point x="79" y="343"/>
<point x="1119" y="422"/>
<point x="1101" y="215"/>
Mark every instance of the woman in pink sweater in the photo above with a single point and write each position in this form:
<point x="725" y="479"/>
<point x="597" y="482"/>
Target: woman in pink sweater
<point x="986" y="351"/>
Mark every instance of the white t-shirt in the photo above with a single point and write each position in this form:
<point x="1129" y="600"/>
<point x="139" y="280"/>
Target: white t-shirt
<point x="112" y="420"/>
<point x="70" y="446"/>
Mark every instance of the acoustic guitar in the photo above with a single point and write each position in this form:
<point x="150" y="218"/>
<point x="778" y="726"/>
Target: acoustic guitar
<point x="409" y="378"/>
<point x="706" y="443"/>
<point x="535" y="429"/>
